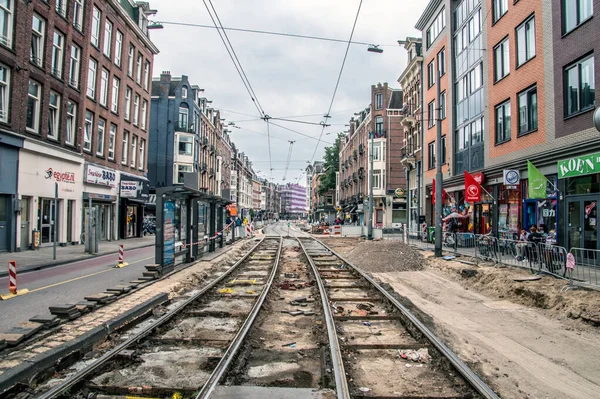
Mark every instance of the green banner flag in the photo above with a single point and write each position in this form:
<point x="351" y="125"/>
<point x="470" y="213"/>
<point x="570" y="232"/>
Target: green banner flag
<point x="537" y="182"/>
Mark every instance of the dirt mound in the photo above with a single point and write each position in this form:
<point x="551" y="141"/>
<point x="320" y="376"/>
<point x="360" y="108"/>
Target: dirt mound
<point x="385" y="256"/>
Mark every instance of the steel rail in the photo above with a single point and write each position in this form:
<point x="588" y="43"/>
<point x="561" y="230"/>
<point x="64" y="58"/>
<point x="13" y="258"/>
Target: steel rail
<point x="473" y="379"/>
<point x="83" y="373"/>
<point x="237" y="341"/>
<point x="341" y="383"/>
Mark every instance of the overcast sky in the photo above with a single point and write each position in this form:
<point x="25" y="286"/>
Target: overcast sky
<point x="290" y="76"/>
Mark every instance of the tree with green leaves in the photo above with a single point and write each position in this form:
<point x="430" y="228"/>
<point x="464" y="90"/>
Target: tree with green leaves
<point x="331" y="165"/>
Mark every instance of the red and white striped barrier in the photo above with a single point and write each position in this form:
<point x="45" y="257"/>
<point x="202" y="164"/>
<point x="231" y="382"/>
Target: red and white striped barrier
<point x="248" y="231"/>
<point x="121" y="260"/>
<point x="337" y="230"/>
<point x="12" y="277"/>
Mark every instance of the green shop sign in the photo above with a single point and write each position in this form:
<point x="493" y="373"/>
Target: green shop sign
<point x="579" y="166"/>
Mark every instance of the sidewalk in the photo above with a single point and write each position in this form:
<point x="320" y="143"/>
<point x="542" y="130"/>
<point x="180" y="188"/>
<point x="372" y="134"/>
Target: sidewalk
<point x="42" y="257"/>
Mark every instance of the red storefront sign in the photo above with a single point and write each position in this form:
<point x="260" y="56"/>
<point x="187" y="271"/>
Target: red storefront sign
<point x="472" y="189"/>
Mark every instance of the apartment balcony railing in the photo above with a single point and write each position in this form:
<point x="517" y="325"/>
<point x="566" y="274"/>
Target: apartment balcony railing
<point x="379" y="134"/>
<point x="212" y="148"/>
<point x="408" y="111"/>
<point x="361" y="149"/>
<point x="204" y="142"/>
<point x="355" y="155"/>
<point x="355" y="176"/>
<point x="212" y="171"/>
<point x="181" y="126"/>
<point x="361" y="173"/>
<point x="203" y="168"/>
<point x="408" y="154"/>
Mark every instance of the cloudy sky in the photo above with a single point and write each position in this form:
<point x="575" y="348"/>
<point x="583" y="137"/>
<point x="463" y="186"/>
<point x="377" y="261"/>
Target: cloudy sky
<point x="291" y="77"/>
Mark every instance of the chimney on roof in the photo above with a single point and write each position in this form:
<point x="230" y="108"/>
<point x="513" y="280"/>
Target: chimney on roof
<point x="165" y="82"/>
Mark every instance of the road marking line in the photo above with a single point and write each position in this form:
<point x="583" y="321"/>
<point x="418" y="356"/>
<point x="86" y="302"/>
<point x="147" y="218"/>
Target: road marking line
<point x="81" y="277"/>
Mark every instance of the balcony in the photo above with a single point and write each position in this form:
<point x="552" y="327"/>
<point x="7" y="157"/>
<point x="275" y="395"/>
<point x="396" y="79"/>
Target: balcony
<point x="183" y="127"/>
<point x="379" y="134"/>
<point x="355" y="176"/>
<point x="212" y="171"/>
<point x="361" y="173"/>
<point x="408" y="111"/>
<point x="408" y="155"/>
<point x="212" y="148"/>
<point x="361" y="149"/>
<point x="204" y="142"/>
<point x="203" y="168"/>
<point x="355" y="155"/>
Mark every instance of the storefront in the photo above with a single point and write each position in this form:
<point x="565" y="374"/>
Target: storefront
<point x="42" y="169"/>
<point x="100" y="193"/>
<point x="9" y="157"/>
<point x="134" y="194"/>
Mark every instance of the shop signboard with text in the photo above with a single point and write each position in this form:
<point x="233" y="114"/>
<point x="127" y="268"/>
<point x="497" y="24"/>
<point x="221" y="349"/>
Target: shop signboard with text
<point x="101" y="176"/>
<point x="134" y="189"/>
<point x="579" y="166"/>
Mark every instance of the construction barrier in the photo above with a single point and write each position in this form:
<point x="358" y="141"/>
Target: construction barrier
<point x="12" y="276"/>
<point x="337" y="230"/>
<point x="583" y="266"/>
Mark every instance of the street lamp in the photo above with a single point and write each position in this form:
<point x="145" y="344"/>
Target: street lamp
<point x="597" y="119"/>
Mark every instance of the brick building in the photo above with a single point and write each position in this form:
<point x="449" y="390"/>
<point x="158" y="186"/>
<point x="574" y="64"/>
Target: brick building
<point x="63" y="71"/>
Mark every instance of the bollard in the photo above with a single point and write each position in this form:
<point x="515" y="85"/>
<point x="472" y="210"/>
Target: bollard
<point x="12" y="277"/>
<point x="121" y="260"/>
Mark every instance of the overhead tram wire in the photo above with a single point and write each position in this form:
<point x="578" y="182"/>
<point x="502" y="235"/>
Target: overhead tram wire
<point x="300" y="133"/>
<point x="327" y="115"/>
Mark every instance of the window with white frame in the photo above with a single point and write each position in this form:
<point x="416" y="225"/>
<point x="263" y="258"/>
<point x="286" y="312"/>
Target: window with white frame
<point x="136" y="109"/>
<point x="34" y="96"/>
<point x="95" y="31"/>
<point x="37" y="40"/>
<point x="108" y="29"/>
<point x="378" y="152"/>
<point x="100" y="137"/>
<point x="501" y="60"/>
<point x="118" y="48"/>
<point x="525" y="41"/>
<point x="436" y="27"/>
<point x="124" y="147"/>
<point x="104" y="87"/>
<point x="112" y="136"/>
<point x="127" y="113"/>
<point x="88" y="128"/>
<point x="54" y="116"/>
<point x="144" y="112"/>
<point x="476" y="78"/>
<point x="185" y="145"/>
<point x="377" y="179"/>
<point x="58" y="44"/>
<point x="61" y="7"/>
<point x="4" y="93"/>
<point x="74" y="66"/>
<point x="181" y="169"/>
<point x="71" y="123"/>
<point x="133" y="150"/>
<point x="378" y="101"/>
<point x="138" y="74"/>
<point x="78" y="14"/>
<point x="184" y="92"/>
<point x="6" y="22"/>
<point x="147" y="75"/>
<point x="114" y="105"/>
<point x="130" y="60"/>
<point x="142" y="154"/>
<point x="91" y="78"/>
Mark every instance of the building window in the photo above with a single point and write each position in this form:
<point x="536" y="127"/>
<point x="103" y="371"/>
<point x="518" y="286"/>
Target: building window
<point x="78" y="15"/>
<point x="430" y="74"/>
<point x="503" y="122"/>
<point x="91" y="83"/>
<point x="61" y="7"/>
<point x="54" y="116"/>
<point x="58" y="43"/>
<point x="378" y="101"/>
<point x="4" y="93"/>
<point x="37" y="40"/>
<point x="136" y="109"/>
<point x="138" y="74"/>
<point x="133" y="150"/>
<point x="74" y="66"/>
<point x="182" y="119"/>
<point x="576" y="12"/>
<point x="528" y="115"/>
<point x="442" y="110"/>
<point x="476" y="131"/>
<point x="142" y="154"/>
<point x="431" y="155"/>
<point x="377" y="180"/>
<point x="108" y="29"/>
<point x="71" y="123"/>
<point x="33" y="106"/>
<point x="125" y="147"/>
<point x="95" y="39"/>
<point x="127" y="103"/>
<point x="475" y="78"/>
<point x="441" y="61"/>
<point x="100" y="137"/>
<point x="144" y="112"/>
<point x="184" y="92"/>
<point x="130" y="56"/>
<point x="525" y="41"/>
<point x="443" y="156"/>
<point x="6" y="22"/>
<point x="580" y="89"/>
<point x="111" y="141"/>
<point x="501" y="60"/>
<point x="431" y="114"/>
<point x="118" y="48"/>
<point x="436" y="27"/>
<point x="379" y="127"/>
<point x="379" y="152"/>
<point x="181" y="169"/>
<point x="116" y="84"/>
<point x="499" y="8"/>
<point x="147" y="75"/>
<point x="104" y="87"/>
<point x="87" y="131"/>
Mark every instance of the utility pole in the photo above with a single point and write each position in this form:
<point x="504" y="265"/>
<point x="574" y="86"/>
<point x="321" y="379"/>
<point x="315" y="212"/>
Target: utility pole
<point x="55" y="221"/>
<point x="370" y="225"/>
<point x="438" y="176"/>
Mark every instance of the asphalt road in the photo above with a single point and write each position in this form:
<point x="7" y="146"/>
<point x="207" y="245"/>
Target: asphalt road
<point x="68" y="283"/>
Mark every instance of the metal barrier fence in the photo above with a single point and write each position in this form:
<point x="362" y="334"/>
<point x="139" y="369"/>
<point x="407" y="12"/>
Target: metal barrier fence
<point x="351" y="231"/>
<point x="586" y="266"/>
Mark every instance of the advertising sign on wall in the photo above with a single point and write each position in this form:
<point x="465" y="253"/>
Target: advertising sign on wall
<point x="168" y="233"/>
<point x="97" y="175"/>
<point x="129" y="188"/>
